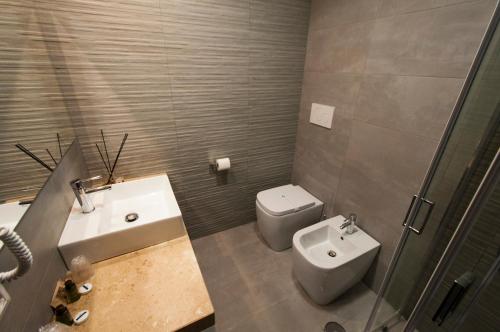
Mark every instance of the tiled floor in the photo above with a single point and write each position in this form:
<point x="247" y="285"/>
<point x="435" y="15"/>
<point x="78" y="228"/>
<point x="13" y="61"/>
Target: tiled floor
<point x="253" y="289"/>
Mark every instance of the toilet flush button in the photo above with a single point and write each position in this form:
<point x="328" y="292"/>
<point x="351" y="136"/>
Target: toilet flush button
<point x="322" y="115"/>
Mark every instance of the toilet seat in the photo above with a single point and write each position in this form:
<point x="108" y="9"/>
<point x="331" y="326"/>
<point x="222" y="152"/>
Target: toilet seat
<point x="282" y="211"/>
<point x="285" y="200"/>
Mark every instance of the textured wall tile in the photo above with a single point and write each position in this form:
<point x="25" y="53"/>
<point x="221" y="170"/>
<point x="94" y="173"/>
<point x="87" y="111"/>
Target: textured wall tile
<point x="32" y="108"/>
<point x="190" y="81"/>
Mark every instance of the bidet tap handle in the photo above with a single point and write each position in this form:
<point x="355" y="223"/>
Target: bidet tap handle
<point x="349" y="223"/>
<point x="352" y="217"/>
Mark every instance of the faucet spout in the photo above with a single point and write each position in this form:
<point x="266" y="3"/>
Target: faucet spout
<point x="81" y="191"/>
<point x="100" y="188"/>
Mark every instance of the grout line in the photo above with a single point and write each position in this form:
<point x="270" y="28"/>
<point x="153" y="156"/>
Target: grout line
<point x="364" y="73"/>
<point x="400" y="131"/>
<point x="411" y="12"/>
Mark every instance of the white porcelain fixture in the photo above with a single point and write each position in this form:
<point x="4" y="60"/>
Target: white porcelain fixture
<point x="105" y="233"/>
<point x="327" y="261"/>
<point x="282" y="211"/>
<point x="11" y="214"/>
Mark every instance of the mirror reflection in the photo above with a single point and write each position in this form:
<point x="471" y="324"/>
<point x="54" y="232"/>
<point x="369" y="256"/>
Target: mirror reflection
<point x="32" y="142"/>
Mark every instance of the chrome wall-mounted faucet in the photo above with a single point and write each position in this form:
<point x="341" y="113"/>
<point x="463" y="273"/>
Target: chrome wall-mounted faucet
<point x="81" y="192"/>
<point x="349" y="222"/>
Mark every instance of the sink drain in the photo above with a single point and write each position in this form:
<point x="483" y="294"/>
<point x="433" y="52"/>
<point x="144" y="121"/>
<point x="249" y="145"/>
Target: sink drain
<point x="131" y="217"/>
<point x="332" y="253"/>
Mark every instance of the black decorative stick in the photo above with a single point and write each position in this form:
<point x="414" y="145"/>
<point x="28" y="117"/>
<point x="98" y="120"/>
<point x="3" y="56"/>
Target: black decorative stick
<point x="29" y="153"/>
<point x="59" y="143"/>
<point x="102" y="158"/>
<point x="105" y="148"/>
<point x="116" y="159"/>
<point x="51" y="157"/>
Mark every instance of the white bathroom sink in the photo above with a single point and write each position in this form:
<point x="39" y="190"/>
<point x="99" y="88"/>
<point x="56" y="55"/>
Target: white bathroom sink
<point x="11" y="213"/>
<point x="104" y="233"/>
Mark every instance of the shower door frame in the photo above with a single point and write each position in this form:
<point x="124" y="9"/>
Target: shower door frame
<point x="467" y="222"/>
<point x="419" y="198"/>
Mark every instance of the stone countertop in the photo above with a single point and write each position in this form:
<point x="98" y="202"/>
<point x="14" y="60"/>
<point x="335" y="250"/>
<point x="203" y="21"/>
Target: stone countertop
<point x="159" y="288"/>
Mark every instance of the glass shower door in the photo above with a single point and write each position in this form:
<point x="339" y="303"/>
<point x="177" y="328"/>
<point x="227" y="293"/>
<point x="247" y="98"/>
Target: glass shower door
<point x="461" y="159"/>
<point x="464" y="293"/>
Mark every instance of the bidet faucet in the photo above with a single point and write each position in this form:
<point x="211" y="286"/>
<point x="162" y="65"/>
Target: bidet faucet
<point x="81" y="192"/>
<point x="349" y="222"/>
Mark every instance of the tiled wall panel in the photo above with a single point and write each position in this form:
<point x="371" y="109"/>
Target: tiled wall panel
<point x="40" y="228"/>
<point x="189" y="81"/>
<point x="393" y="70"/>
<point x="32" y="109"/>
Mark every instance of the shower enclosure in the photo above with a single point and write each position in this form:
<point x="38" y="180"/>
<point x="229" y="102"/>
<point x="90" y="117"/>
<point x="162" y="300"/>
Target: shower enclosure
<point x="444" y="273"/>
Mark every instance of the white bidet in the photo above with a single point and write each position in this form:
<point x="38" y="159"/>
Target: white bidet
<point x="327" y="261"/>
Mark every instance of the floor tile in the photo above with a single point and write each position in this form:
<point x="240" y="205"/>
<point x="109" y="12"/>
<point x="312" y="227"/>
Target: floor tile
<point x="253" y="289"/>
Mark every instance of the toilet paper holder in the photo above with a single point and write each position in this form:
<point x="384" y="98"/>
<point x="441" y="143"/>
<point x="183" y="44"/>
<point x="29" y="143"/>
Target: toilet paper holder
<point x="220" y="164"/>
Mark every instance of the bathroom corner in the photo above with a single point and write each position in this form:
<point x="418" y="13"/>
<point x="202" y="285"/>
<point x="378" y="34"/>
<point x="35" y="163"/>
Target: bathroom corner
<point x="388" y="117"/>
<point x="249" y="165"/>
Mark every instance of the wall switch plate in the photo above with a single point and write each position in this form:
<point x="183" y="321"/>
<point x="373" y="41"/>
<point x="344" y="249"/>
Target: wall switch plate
<point x="322" y="115"/>
<point x="4" y="300"/>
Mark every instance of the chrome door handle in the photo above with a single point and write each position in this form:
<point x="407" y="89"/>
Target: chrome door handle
<point x="420" y="200"/>
<point x="414" y="198"/>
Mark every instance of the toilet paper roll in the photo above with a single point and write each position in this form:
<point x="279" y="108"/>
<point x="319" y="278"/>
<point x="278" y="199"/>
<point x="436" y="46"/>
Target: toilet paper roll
<point x="222" y="164"/>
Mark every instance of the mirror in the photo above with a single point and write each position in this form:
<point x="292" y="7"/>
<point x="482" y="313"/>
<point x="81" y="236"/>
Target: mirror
<point x="45" y="135"/>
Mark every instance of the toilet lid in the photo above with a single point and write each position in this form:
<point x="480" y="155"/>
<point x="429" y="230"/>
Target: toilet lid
<point x="286" y="199"/>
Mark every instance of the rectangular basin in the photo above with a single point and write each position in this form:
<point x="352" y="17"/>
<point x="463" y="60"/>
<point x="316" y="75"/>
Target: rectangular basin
<point x="11" y="213"/>
<point x="105" y="233"/>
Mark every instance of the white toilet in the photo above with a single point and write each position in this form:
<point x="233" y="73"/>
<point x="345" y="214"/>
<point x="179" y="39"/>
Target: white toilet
<point x="282" y="211"/>
<point x="327" y="261"/>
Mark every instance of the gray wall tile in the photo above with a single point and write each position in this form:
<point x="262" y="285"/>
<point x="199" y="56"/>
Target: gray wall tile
<point x="381" y="174"/>
<point x="32" y="109"/>
<point x="318" y="168"/>
<point x="415" y="105"/>
<point x="342" y="48"/>
<point x="40" y="228"/>
<point x="339" y="89"/>
<point x="190" y="81"/>
<point x="398" y="7"/>
<point x="327" y="13"/>
<point x="393" y="70"/>
<point x="439" y="42"/>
